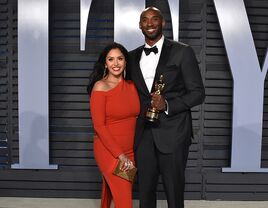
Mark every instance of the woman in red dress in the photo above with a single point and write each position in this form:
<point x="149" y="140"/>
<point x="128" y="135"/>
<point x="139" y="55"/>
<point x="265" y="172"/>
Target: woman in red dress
<point x="114" y="106"/>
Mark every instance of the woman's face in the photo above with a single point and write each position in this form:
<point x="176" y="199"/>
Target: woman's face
<point x="115" y="62"/>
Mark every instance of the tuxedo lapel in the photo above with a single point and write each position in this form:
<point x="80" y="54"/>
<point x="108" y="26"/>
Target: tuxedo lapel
<point x="163" y="59"/>
<point x="137" y="75"/>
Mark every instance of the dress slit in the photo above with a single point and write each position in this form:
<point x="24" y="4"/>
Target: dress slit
<point x="106" y="195"/>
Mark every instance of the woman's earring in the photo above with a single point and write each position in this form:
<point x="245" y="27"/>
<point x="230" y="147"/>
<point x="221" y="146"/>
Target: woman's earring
<point x="105" y="71"/>
<point x="124" y="73"/>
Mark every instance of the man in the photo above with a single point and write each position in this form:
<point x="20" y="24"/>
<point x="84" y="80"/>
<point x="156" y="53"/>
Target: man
<point x="162" y="147"/>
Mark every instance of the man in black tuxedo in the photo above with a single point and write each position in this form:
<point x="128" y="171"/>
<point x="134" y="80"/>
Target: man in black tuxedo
<point x="162" y="147"/>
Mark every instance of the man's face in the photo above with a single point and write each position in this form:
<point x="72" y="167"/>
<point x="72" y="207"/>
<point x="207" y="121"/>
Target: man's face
<point x="151" y="24"/>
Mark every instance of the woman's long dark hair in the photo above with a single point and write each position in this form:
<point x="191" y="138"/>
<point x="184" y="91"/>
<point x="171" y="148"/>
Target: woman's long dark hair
<point x="99" y="66"/>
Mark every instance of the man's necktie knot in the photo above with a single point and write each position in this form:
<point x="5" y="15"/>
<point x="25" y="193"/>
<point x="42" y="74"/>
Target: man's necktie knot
<point x="149" y="50"/>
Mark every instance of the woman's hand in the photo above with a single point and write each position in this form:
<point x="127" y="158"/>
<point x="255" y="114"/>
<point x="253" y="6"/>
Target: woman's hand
<point x="126" y="162"/>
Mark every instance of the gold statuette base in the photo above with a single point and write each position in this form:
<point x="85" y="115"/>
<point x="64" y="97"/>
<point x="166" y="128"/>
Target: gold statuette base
<point x="152" y="115"/>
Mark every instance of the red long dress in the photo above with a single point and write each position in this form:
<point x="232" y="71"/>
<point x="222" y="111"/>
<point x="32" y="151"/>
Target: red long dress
<point x="114" y="114"/>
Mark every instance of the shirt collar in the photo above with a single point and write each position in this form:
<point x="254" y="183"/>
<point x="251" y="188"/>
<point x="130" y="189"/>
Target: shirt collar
<point x="158" y="44"/>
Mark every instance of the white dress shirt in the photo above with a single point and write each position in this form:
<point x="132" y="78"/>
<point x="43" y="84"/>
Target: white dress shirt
<point x="149" y="63"/>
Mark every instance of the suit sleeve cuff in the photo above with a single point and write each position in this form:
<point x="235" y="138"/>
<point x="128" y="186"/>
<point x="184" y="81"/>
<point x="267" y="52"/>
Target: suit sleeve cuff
<point x="166" y="111"/>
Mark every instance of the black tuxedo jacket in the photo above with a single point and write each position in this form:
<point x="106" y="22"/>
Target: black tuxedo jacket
<point x="183" y="90"/>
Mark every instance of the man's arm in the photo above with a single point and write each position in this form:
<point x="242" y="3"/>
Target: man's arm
<point x="194" y="88"/>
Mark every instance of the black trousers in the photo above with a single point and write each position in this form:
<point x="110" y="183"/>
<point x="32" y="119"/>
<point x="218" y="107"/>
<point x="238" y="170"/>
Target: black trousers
<point x="151" y="163"/>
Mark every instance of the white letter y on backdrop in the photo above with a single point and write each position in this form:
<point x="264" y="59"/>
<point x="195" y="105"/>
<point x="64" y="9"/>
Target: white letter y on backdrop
<point x="248" y="89"/>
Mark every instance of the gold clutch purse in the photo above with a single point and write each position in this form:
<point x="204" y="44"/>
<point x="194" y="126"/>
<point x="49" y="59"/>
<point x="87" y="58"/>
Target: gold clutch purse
<point x="127" y="175"/>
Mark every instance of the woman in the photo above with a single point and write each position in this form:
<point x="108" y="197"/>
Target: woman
<point x="114" y="106"/>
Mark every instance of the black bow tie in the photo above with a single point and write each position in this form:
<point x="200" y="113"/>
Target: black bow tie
<point x="149" y="50"/>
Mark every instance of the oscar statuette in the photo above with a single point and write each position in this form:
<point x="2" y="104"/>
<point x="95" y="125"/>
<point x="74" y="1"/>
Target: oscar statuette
<point x="152" y="113"/>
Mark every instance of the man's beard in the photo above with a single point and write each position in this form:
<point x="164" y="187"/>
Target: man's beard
<point x="153" y="36"/>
